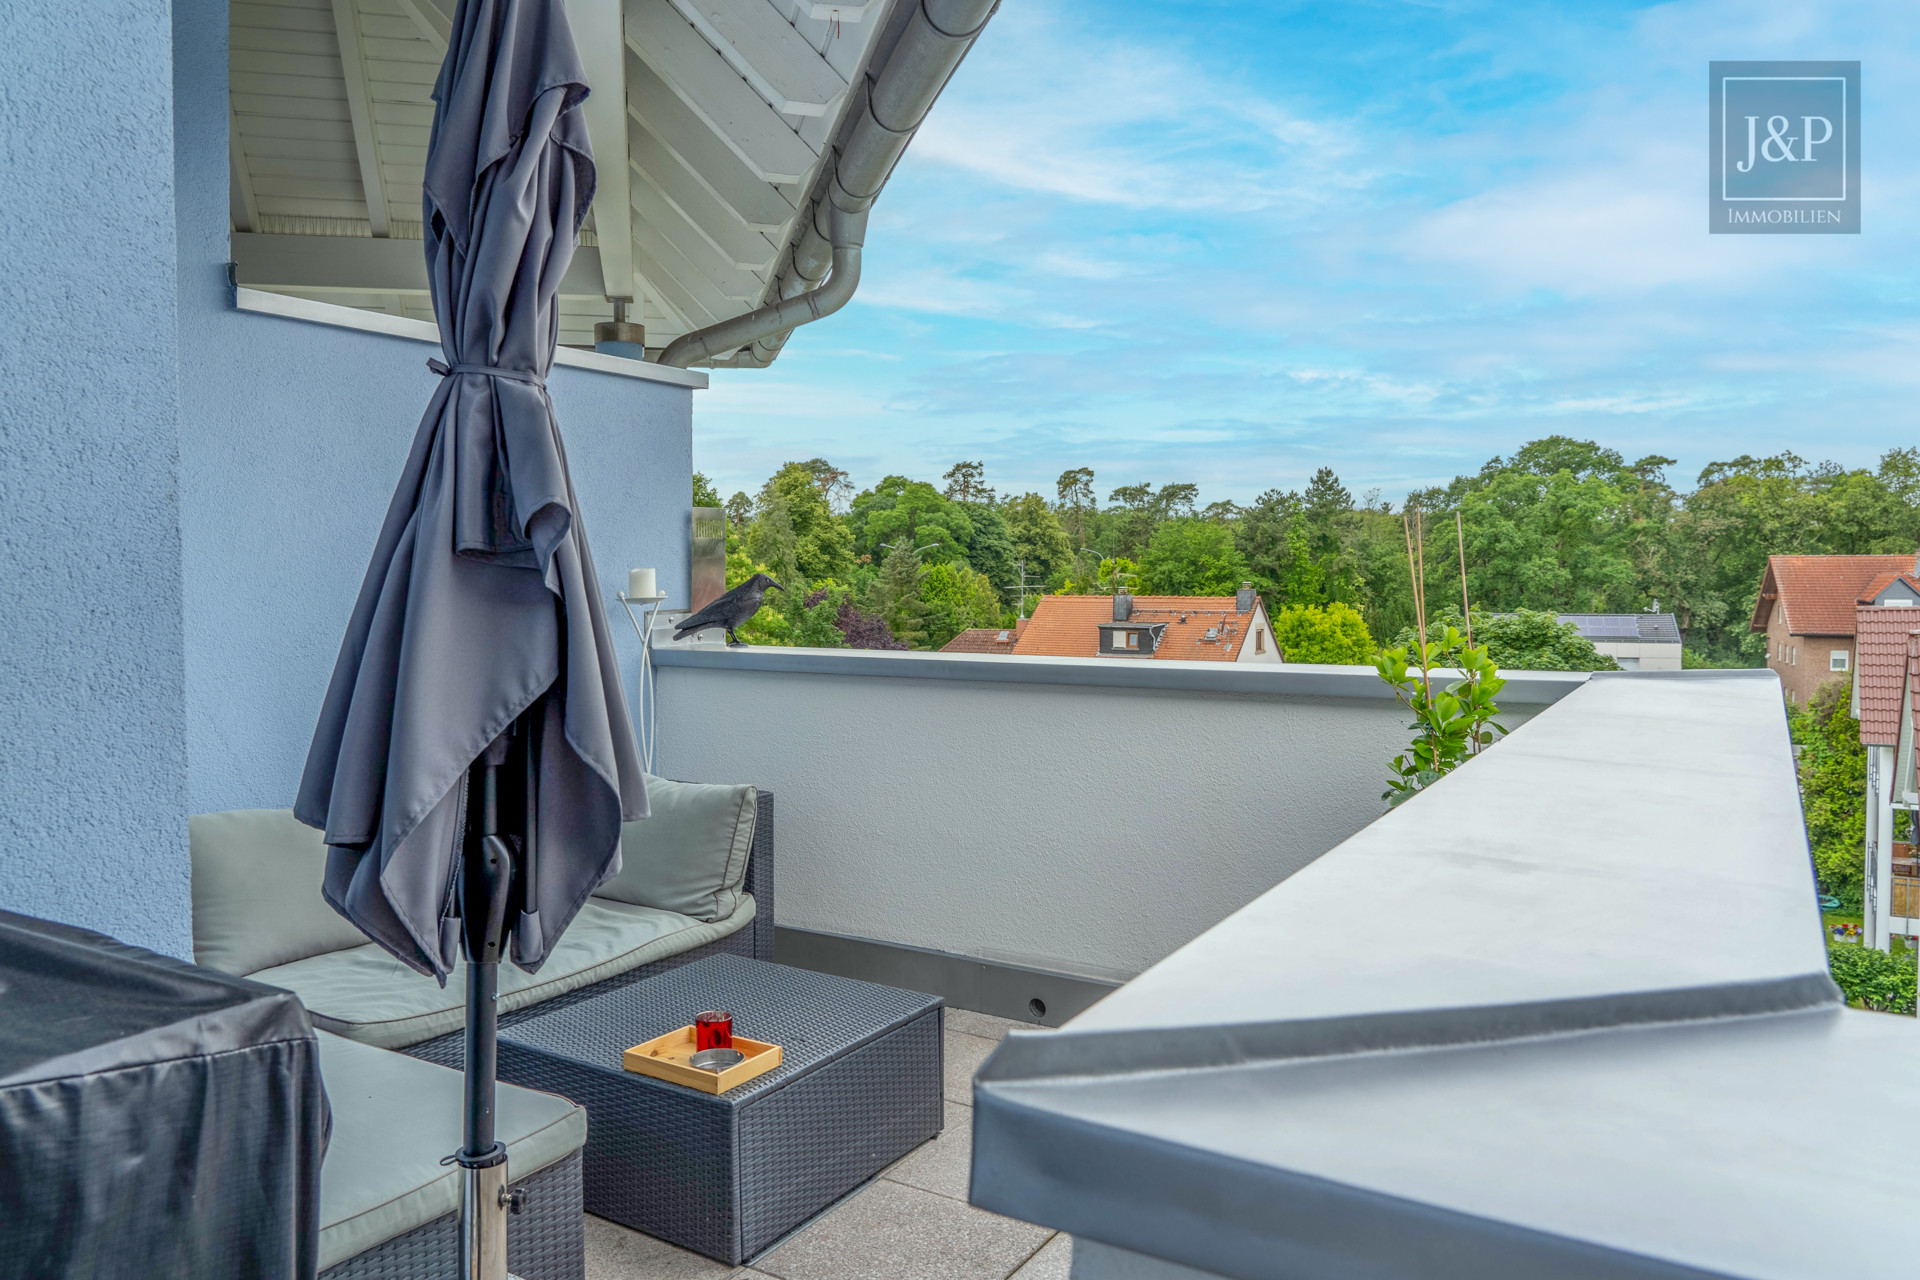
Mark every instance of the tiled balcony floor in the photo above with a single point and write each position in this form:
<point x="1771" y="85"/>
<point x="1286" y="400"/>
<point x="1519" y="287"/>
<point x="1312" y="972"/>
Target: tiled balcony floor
<point x="912" y="1222"/>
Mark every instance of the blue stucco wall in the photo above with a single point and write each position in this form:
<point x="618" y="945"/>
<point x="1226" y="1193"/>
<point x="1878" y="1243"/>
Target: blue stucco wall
<point x="92" y="773"/>
<point x="293" y="435"/>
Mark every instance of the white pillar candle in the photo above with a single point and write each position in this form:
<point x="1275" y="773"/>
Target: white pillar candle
<point x="642" y="583"/>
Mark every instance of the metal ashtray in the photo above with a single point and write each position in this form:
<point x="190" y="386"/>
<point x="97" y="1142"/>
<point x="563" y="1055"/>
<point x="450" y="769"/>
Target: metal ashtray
<point x="717" y="1059"/>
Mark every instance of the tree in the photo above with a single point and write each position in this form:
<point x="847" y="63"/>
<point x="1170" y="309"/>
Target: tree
<point x="956" y="598"/>
<point x="899" y="510"/>
<point x="989" y="548"/>
<point x="739" y="511"/>
<point x="832" y="482"/>
<point x="1038" y="538"/>
<point x="704" y="494"/>
<point x="1261" y="533"/>
<point x="1326" y="508"/>
<point x="1175" y="501"/>
<point x="1109" y="577"/>
<point x="966" y="483"/>
<point x="896" y="596"/>
<point x="1189" y="556"/>
<point x="1545" y="542"/>
<point x="1833" y="789"/>
<point x="1330" y="633"/>
<point x="822" y="543"/>
<point x="1133" y="526"/>
<point x="865" y="630"/>
<point x="1077" y="507"/>
<point x="771" y="541"/>
<point x="817" y="626"/>
<point x="1523" y="640"/>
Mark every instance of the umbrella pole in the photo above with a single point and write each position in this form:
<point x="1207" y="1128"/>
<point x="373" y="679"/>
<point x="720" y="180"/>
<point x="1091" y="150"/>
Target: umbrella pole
<point x="482" y="1158"/>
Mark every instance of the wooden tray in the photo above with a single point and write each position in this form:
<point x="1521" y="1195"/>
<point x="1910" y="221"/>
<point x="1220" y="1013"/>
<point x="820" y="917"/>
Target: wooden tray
<point x="665" y="1058"/>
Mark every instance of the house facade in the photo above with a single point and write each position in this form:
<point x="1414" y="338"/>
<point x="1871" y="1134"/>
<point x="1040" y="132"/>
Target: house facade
<point x="1637" y="641"/>
<point x="1886" y="701"/>
<point x="1127" y="627"/>
<point x="1806" y="609"/>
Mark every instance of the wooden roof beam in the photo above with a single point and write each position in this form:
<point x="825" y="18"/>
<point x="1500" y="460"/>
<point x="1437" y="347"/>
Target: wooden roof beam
<point x="346" y="25"/>
<point x="599" y="31"/>
<point x="244" y="209"/>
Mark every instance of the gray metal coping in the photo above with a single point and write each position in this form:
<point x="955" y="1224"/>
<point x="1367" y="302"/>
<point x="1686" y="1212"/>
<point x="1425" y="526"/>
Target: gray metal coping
<point x="1385" y="1066"/>
<point x="1524" y="688"/>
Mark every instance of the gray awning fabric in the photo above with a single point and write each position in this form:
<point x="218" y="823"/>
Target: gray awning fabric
<point x="1567" y="1014"/>
<point x="481" y="602"/>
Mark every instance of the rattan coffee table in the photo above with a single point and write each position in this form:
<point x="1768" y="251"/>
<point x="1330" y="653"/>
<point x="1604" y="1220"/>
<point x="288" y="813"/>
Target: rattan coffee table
<point x="728" y="1175"/>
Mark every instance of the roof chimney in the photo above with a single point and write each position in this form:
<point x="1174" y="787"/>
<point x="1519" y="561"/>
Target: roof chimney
<point x="1122" y="605"/>
<point x="1243" y="602"/>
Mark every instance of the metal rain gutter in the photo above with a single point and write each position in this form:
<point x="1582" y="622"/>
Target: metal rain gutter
<point x="894" y="102"/>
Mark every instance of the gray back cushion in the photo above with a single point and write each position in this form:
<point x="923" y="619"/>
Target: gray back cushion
<point x="256" y="892"/>
<point x="691" y="855"/>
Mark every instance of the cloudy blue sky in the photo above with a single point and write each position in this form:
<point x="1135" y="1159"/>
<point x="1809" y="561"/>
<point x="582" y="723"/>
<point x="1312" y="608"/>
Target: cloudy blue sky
<point x="1229" y="243"/>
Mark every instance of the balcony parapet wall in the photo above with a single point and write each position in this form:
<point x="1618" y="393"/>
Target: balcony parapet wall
<point x="1080" y="816"/>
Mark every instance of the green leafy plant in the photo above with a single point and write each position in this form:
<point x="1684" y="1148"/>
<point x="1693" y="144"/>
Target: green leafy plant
<point x="1833" y="789"/>
<point x="1323" y="633"/>
<point x="1873" y="979"/>
<point x="1450" y="724"/>
<point x="1455" y="723"/>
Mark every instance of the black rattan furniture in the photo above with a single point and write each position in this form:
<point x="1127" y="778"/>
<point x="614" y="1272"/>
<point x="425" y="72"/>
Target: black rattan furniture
<point x="728" y="1175"/>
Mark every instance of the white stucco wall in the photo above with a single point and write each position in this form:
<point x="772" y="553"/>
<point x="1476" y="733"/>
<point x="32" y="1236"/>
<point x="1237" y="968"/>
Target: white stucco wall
<point x="988" y="809"/>
<point x="1649" y="655"/>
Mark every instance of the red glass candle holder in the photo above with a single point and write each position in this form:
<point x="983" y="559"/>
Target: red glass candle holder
<point x="713" y="1030"/>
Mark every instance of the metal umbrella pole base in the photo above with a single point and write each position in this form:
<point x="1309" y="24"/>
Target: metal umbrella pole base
<point x="485" y="1199"/>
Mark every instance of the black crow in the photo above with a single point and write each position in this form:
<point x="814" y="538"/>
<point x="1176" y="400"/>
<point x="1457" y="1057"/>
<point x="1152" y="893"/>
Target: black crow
<point x="730" y="610"/>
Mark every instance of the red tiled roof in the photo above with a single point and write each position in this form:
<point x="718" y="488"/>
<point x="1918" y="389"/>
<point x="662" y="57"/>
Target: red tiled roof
<point x="1884" y="580"/>
<point x="1819" y="593"/>
<point x="1069" y="626"/>
<point x="980" y="640"/>
<point x="1882" y="639"/>
<point x="1913" y="687"/>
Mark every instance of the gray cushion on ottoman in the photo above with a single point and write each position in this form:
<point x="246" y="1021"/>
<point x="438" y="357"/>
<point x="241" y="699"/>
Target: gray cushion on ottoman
<point x="256" y="891"/>
<point x="393" y="1118"/>
<point x="690" y="856"/>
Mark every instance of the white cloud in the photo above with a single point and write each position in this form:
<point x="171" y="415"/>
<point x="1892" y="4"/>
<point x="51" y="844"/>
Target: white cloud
<point x="1050" y="106"/>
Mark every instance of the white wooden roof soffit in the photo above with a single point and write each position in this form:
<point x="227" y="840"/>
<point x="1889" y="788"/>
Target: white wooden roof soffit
<point x="722" y="110"/>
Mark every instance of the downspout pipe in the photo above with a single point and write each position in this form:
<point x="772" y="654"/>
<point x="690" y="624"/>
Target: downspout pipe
<point x="935" y="38"/>
<point x="718" y="341"/>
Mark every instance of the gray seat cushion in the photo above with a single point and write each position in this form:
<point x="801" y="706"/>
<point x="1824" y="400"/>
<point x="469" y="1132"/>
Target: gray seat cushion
<point x="256" y="892"/>
<point x="394" y="1117"/>
<point x="690" y="855"/>
<point x="365" y="994"/>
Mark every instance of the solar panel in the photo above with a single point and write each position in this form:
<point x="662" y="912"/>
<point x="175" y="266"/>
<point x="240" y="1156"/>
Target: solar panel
<point x="1606" y="626"/>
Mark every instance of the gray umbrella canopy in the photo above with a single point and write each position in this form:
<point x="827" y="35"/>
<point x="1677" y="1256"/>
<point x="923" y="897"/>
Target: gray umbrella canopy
<point x="481" y="606"/>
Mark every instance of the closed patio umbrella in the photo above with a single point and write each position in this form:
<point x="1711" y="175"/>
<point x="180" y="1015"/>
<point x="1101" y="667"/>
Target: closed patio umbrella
<point x="474" y="757"/>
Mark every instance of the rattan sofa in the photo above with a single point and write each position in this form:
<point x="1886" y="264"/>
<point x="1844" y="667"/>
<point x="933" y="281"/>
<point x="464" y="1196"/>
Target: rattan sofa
<point x="386" y="1209"/>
